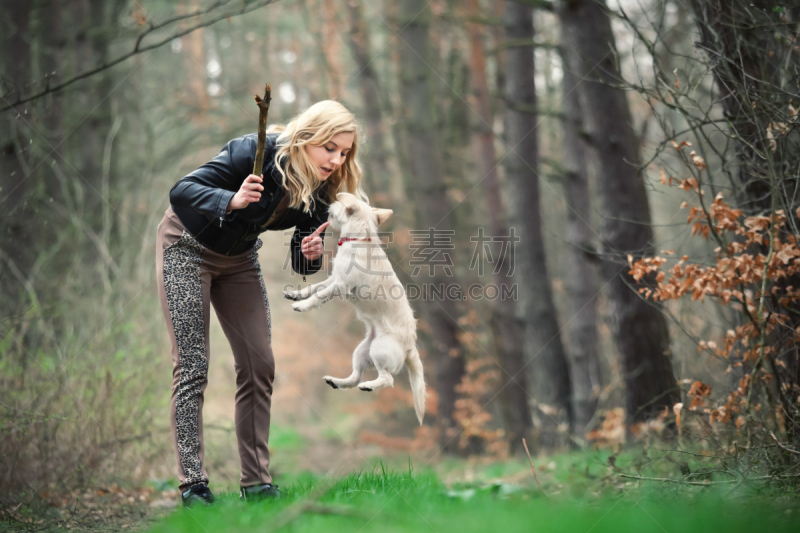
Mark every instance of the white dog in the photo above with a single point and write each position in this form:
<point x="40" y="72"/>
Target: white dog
<point x="362" y="273"/>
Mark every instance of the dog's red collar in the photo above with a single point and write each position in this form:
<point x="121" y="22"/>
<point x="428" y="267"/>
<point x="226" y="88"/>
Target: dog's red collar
<point x="351" y="239"/>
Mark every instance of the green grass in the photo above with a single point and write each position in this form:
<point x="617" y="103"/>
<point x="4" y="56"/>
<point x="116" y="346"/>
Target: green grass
<point x="405" y="502"/>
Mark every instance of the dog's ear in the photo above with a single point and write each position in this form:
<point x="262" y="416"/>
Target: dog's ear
<point x="349" y="201"/>
<point x="382" y="214"/>
<point x="346" y="198"/>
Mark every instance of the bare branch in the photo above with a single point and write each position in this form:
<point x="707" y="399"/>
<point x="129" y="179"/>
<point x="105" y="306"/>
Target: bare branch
<point x="137" y="48"/>
<point x="781" y="445"/>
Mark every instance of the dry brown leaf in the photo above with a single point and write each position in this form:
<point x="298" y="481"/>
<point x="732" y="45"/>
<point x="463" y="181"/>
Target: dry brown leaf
<point x="677" y="408"/>
<point x="698" y="161"/>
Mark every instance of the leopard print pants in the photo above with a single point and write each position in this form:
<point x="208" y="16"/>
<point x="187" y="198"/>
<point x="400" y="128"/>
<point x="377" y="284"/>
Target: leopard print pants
<point x="191" y="280"/>
<point x="185" y="299"/>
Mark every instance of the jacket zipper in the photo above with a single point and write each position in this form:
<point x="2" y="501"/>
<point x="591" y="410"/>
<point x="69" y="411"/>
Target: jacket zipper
<point x="275" y="199"/>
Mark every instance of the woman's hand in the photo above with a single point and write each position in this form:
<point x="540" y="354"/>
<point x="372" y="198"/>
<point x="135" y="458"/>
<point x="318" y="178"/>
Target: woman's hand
<point x="249" y="192"/>
<point x="311" y="246"/>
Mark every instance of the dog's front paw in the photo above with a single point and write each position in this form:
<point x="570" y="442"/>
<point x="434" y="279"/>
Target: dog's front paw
<point x="329" y="381"/>
<point x="365" y="388"/>
<point x="291" y="295"/>
<point x="302" y="307"/>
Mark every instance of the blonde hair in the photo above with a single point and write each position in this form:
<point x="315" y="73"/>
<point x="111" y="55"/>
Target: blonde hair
<point x="316" y="126"/>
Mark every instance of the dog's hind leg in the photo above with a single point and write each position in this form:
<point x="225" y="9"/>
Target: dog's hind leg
<point x="387" y="356"/>
<point x="361" y="362"/>
<point x="384" y="379"/>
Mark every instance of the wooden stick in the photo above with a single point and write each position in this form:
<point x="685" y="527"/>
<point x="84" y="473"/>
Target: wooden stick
<point x="525" y="444"/>
<point x="263" y="110"/>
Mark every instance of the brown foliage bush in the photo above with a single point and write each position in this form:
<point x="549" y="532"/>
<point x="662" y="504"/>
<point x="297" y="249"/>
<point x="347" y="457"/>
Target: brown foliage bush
<point x="757" y="273"/>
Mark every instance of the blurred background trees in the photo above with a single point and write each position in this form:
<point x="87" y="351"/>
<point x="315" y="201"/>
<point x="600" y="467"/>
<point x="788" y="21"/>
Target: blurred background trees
<point x="522" y="145"/>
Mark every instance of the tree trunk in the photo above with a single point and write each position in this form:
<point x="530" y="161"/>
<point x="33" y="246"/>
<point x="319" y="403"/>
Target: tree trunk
<point x="16" y="236"/>
<point x="737" y="36"/>
<point x="331" y="44"/>
<point x="639" y="328"/>
<point x="548" y="366"/>
<point x="194" y="64"/>
<point x="428" y="191"/>
<point x="580" y="259"/>
<point x="16" y="61"/>
<point x="378" y="169"/>
<point x="93" y="112"/>
<point x="507" y="330"/>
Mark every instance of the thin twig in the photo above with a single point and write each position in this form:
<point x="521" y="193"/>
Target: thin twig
<point x="525" y="444"/>
<point x="701" y="483"/>
<point x="18" y="314"/>
<point x="781" y="445"/>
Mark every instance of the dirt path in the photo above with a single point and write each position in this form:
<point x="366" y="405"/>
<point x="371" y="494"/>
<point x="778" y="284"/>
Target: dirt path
<point x="111" y="508"/>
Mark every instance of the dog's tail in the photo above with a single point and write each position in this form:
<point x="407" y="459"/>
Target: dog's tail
<point x="417" y="379"/>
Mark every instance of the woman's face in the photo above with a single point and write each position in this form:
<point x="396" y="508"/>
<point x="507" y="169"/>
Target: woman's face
<point x="330" y="156"/>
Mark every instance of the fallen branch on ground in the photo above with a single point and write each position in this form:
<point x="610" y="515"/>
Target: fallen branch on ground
<point x="703" y="483"/>
<point x="525" y="444"/>
<point x="309" y="505"/>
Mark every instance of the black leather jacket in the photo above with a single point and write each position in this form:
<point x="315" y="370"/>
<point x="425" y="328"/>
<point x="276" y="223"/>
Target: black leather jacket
<point x="201" y="198"/>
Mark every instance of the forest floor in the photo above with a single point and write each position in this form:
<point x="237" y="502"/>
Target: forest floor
<point x="576" y="492"/>
<point x="382" y="501"/>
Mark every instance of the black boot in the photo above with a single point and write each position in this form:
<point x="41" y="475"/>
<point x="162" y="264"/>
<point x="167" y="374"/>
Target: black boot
<point x="259" y="492"/>
<point x="198" y="493"/>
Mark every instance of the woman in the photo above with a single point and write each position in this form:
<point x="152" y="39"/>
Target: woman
<point x="207" y="254"/>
